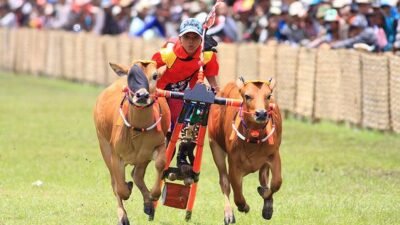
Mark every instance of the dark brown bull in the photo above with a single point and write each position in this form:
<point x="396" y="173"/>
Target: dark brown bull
<point x="132" y="132"/>
<point x="250" y="138"/>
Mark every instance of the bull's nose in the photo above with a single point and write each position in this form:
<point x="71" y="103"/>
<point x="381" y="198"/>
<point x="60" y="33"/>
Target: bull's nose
<point x="261" y="114"/>
<point x="142" y="95"/>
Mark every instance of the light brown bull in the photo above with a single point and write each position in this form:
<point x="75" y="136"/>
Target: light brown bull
<point x="249" y="138"/>
<point x="132" y="132"/>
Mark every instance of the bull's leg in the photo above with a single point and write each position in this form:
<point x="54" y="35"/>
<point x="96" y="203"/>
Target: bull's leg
<point x="276" y="181"/>
<point x="138" y="178"/>
<point x="122" y="216"/>
<point x="236" y="178"/>
<point x="219" y="158"/>
<point x="159" y="164"/>
<point x="263" y="176"/>
<point x="122" y="189"/>
<point x="105" y="148"/>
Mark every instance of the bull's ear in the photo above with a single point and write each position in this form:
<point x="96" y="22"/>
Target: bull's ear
<point x="144" y="62"/>
<point x="119" y="69"/>
<point x="272" y="83"/>
<point x="240" y="82"/>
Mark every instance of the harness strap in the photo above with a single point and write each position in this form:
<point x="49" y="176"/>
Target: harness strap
<point x="258" y="141"/>
<point x="156" y="114"/>
<point x="269" y="128"/>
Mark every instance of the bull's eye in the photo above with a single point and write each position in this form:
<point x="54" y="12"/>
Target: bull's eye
<point x="154" y="76"/>
<point x="247" y="97"/>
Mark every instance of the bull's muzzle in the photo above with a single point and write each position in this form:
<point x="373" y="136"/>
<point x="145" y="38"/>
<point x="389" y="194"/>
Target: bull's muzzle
<point x="142" y="96"/>
<point x="261" y="115"/>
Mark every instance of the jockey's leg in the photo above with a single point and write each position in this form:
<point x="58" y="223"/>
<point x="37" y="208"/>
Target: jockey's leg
<point x="185" y="152"/>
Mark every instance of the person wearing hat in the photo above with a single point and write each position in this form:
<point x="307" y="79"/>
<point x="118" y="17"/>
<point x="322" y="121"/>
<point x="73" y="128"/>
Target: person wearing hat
<point x="391" y="17"/>
<point x="359" y="32"/>
<point x="294" y="31"/>
<point x="377" y="22"/>
<point x="178" y="62"/>
<point x="7" y="17"/>
<point x="331" y="23"/>
<point x="364" y="7"/>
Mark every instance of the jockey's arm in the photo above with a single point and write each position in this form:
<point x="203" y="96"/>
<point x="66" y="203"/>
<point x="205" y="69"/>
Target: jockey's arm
<point x="212" y="80"/>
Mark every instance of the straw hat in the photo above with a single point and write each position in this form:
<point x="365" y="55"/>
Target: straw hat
<point x="297" y="9"/>
<point x="142" y="5"/>
<point x="125" y="3"/>
<point x="15" y="4"/>
<point x="363" y="1"/>
<point x="337" y="4"/>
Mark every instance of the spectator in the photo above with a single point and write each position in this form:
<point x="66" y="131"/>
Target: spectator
<point x="62" y="10"/>
<point x="99" y="16"/>
<point x="314" y="23"/>
<point x="293" y="30"/>
<point x="243" y="11"/>
<point x="225" y="27"/>
<point x="111" y="26"/>
<point x="390" y="19"/>
<point x="359" y="32"/>
<point x="122" y="15"/>
<point x="377" y="22"/>
<point x="145" y="23"/>
<point x="81" y="17"/>
<point x="364" y="7"/>
<point x="332" y="30"/>
<point x="344" y="11"/>
<point x="258" y="28"/>
<point x="274" y="21"/>
<point x="7" y="16"/>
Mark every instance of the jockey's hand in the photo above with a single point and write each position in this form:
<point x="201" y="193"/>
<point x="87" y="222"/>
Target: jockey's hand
<point x="215" y="89"/>
<point x="210" y="43"/>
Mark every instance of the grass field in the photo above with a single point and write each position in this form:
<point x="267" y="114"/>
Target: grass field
<point x="331" y="174"/>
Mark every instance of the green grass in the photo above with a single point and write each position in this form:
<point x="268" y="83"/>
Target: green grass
<point x="331" y="174"/>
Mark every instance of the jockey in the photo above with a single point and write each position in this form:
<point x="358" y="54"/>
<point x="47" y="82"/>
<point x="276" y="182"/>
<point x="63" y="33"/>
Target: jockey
<point x="178" y="64"/>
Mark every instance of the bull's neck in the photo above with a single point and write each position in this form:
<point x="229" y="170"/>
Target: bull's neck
<point x="141" y="117"/>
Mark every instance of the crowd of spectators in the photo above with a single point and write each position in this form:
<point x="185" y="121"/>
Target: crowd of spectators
<point x="370" y="24"/>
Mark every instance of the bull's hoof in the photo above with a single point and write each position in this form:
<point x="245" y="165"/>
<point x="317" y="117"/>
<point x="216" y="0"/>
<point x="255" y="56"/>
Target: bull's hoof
<point x="244" y="208"/>
<point x="188" y="216"/>
<point x="124" y="221"/>
<point x="229" y="219"/>
<point x="149" y="210"/>
<point x="267" y="209"/>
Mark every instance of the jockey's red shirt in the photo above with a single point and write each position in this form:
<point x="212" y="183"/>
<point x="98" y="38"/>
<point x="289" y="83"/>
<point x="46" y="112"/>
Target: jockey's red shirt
<point x="182" y="69"/>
